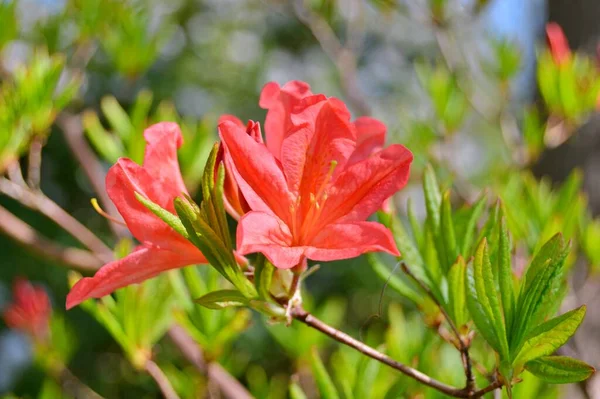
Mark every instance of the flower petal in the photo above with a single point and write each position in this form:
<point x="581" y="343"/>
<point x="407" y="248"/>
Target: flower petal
<point x="256" y="171"/>
<point x="370" y="137"/>
<point x="279" y="102"/>
<point x="160" y="161"/>
<point x="142" y="264"/>
<point x="265" y="233"/>
<point x="363" y="187"/>
<point x="126" y="178"/>
<point x="349" y="240"/>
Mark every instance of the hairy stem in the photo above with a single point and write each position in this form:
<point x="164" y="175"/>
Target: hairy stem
<point x="161" y="380"/>
<point x="305" y="317"/>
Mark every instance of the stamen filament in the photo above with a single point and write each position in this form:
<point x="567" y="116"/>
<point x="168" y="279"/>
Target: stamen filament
<point x="100" y="211"/>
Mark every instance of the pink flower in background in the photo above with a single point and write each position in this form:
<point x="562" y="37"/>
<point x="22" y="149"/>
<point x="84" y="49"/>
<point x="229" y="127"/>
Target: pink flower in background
<point x="312" y="187"/>
<point x="161" y="249"/>
<point x="30" y="312"/>
<point x="557" y="43"/>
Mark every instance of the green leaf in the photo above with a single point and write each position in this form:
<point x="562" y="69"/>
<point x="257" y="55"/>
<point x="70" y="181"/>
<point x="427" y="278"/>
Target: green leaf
<point x="471" y="226"/>
<point x="550" y="250"/>
<point x="488" y="294"/>
<point x="542" y="282"/>
<point x="366" y="374"/>
<point x="483" y="301"/>
<point x="263" y="274"/>
<point x="172" y="220"/>
<point x="447" y="232"/>
<point x="106" y="144"/>
<point x="222" y="299"/>
<point x="478" y="312"/>
<point x="457" y="292"/>
<point x="433" y="198"/>
<point x="505" y="276"/>
<point x="549" y="336"/>
<point x="560" y="369"/>
<point x="296" y="392"/>
<point x="324" y="382"/>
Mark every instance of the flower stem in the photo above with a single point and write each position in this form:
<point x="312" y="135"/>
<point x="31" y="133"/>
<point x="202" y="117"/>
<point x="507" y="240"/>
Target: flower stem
<point x="161" y="380"/>
<point x="305" y="317"/>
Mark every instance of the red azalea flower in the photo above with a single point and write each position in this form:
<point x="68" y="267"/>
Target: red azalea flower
<point x="161" y="249"/>
<point x="558" y="44"/>
<point x="311" y="194"/>
<point x="30" y="312"/>
<point x="281" y="103"/>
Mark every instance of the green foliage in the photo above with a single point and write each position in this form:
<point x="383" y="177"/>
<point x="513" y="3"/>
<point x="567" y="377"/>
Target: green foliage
<point x="30" y="101"/>
<point x="560" y="369"/>
<point x="569" y="89"/>
<point x="137" y="317"/>
<point x="449" y="101"/>
<point x="125" y="137"/>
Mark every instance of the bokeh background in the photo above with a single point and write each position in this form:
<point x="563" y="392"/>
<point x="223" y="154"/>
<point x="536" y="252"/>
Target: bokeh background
<point x="193" y="60"/>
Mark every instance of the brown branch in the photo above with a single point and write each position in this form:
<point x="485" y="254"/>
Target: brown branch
<point x="34" y="167"/>
<point x="92" y="167"/>
<point x="73" y="386"/>
<point x="463" y="346"/>
<point x="161" y="380"/>
<point x="25" y="235"/>
<point x="343" y="58"/>
<point x="229" y="386"/>
<point x="39" y="202"/>
<point x="302" y="315"/>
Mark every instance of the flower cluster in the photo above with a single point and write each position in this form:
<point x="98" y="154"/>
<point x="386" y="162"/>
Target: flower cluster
<point x="31" y="310"/>
<point x="304" y="192"/>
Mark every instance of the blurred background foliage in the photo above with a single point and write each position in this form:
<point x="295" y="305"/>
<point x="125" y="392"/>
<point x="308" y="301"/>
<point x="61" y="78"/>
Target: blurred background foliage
<point x="468" y="86"/>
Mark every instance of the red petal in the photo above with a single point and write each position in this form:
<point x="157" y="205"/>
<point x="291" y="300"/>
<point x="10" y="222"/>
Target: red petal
<point x="160" y="161"/>
<point x="144" y="263"/>
<point x="263" y="232"/>
<point x="256" y="171"/>
<point x="557" y="41"/>
<point x="231" y="118"/>
<point x="280" y="102"/>
<point x="122" y="181"/>
<point x="348" y="240"/>
<point x="370" y="137"/>
<point x="363" y="187"/>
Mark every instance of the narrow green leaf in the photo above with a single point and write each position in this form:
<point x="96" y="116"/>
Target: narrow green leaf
<point x="471" y="226"/>
<point x="490" y="223"/>
<point x="560" y="369"/>
<point x="488" y="295"/>
<point x="296" y="392"/>
<point x="117" y="117"/>
<point x="551" y="335"/>
<point x="542" y="281"/>
<point x="106" y="144"/>
<point x="457" y="292"/>
<point x="222" y="299"/>
<point x="550" y="250"/>
<point x="415" y="225"/>
<point x="263" y="274"/>
<point x="479" y="314"/>
<point x="172" y="220"/>
<point x="324" y="382"/>
<point x="366" y="374"/>
<point x="433" y="198"/>
<point x="447" y="232"/>
<point x="505" y="276"/>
